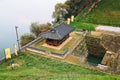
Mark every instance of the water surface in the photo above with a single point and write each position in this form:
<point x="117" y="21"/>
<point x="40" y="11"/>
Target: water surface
<point x="21" y="13"/>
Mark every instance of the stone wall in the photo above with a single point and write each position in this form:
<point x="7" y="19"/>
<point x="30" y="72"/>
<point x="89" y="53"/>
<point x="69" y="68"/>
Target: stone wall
<point x="106" y="46"/>
<point x="81" y="51"/>
<point x="112" y="56"/>
<point x="94" y="47"/>
<point x="89" y="45"/>
<point x="111" y="42"/>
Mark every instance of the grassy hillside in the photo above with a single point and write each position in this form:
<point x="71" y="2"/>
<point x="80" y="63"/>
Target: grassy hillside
<point x="107" y="12"/>
<point x="80" y="26"/>
<point x="33" y="67"/>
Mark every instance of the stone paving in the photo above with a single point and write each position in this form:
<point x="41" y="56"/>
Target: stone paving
<point x="108" y="28"/>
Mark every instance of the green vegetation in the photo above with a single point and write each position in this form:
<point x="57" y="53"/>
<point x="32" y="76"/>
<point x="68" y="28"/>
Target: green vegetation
<point x="60" y="11"/>
<point x="86" y="26"/>
<point x="26" y="38"/>
<point x="106" y="12"/>
<point x="37" y="28"/>
<point x="70" y="7"/>
<point x="34" y="67"/>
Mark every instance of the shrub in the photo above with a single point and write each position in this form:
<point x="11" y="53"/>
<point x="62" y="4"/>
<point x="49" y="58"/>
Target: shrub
<point x="26" y="38"/>
<point x="37" y="28"/>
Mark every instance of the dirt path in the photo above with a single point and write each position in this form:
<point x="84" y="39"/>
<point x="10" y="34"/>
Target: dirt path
<point x="108" y="28"/>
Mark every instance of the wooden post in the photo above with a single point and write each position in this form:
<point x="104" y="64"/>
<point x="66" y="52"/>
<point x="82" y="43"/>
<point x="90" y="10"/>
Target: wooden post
<point x="16" y="27"/>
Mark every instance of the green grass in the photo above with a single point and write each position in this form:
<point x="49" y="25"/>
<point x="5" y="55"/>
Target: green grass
<point x="107" y="12"/>
<point x="34" y="67"/>
<point x="80" y="26"/>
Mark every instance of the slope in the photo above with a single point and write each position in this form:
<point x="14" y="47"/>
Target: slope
<point x="107" y="12"/>
<point x="34" y="67"/>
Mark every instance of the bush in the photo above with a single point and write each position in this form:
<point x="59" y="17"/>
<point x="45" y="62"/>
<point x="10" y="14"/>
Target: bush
<point x="26" y="38"/>
<point x="37" y="28"/>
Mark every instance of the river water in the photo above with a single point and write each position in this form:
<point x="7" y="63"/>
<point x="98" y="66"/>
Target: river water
<point x="22" y="13"/>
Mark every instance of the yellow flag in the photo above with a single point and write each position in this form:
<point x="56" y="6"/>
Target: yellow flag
<point x="72" y="18"/>
<point x="7" y="53"/>
<point x="15" y="50"/>
<point x="68" y="21"/>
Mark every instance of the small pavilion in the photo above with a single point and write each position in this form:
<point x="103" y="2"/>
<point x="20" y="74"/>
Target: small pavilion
<point x="58" y="34"/>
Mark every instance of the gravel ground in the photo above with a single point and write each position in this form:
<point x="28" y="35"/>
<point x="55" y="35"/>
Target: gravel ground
<point x="108" y="28"/>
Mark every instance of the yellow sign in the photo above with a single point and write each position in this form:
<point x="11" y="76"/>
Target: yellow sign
<point x="68" y="21"/>
<point x="15" y="50"/>
<point x="72" y="18"/>
<point x="7" y="53"/>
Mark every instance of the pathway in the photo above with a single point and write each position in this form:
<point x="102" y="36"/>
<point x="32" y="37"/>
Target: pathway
<point x="108" y="28"/>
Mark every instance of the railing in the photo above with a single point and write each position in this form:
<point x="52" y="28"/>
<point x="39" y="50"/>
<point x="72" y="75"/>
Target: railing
<point x="2" y="59"/>
<point x="44" y="51"/>
<point x="27" y="45"/>
<point x="37" y="49"/>
<point x="60" y="54"/>
<point x="31" y="43"/>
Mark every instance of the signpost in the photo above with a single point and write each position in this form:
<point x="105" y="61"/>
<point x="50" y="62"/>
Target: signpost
<point x="7" y="53"/>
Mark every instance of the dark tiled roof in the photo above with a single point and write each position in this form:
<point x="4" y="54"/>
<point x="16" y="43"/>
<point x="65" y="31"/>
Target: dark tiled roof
<point x="58" y="32"/>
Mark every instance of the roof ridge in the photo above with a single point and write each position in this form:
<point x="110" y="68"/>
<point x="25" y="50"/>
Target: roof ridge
<point x="61" y="31"/>
<point x="60" y="24"/>
<point x="58" y="34"/>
